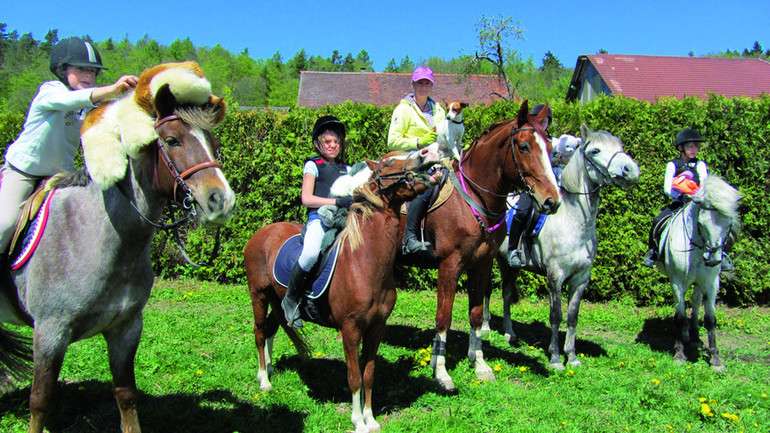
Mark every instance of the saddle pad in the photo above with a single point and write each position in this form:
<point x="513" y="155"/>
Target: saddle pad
<point x="443" y="195"/>
<point x="537" y="227"/>
<point x="287" y="257"/>
<point x="33" y="234"/>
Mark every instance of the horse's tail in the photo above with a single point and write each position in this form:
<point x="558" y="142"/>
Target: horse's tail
<point x="15" y="354"/>
<point x="302" y="348"/>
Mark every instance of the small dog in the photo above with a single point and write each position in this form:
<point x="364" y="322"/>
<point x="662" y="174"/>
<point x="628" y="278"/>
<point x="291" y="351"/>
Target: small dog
<point x="450" y="130"/>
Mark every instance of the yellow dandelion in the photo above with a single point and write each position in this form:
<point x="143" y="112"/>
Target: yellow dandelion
<point x="688" y="426"/>
<point x="656" y="381"/>
<point x="423" y="363"/>
<point x="582" y="355"/>
<point x="764" y="395"/>
<point x="702" y="399"/>
<point x="498" y="367"/>
<point x="622" y="364"/>
<point x="531" y="347"/>
<point x="705" y="410"/>
<point x="522" y="369"/>
<point x="199" y="372"/>
<point x="256" y="396"/>
<point x="731" y="416"/>
<point x="669" y="427"/>
<point x="564" y="423"/>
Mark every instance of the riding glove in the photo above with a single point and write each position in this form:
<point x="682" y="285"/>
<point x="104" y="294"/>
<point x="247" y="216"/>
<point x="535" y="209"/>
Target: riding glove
<point x="345" y="202"/>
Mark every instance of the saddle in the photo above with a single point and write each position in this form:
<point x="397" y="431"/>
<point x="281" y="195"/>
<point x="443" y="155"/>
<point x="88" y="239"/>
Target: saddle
<point x="314" y="299"/>
<point x="30" y="225"/>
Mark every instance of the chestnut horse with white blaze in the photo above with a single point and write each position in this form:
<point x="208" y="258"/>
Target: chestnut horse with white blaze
<point x="466" y="231"/>
<point x="362" y="291"/>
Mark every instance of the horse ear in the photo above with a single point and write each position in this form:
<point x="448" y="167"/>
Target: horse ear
<point x="585" y="131"/>
<point x="371" y="164"/>
<point x="164" y="102"/>
<point x="521" y="117"/>
<point x="220" y="108"/>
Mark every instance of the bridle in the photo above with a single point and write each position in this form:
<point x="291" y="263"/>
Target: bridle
<point x="695" y="233"/>
<point x="603" y="170"/>
<point x="179" y="178"/>
<point x="187" y="203"/>
<point x="476" y="207"/>
<point x="404" y="176"/>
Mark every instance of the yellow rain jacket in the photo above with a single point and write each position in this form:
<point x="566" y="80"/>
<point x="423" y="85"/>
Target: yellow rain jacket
<point x="409" y="124"/>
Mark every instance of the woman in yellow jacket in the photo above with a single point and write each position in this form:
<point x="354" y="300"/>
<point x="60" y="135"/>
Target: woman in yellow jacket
<point x="412" y="127"/>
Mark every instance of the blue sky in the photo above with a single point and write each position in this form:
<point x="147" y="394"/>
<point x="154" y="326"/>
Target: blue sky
<point x="419" y="29"/>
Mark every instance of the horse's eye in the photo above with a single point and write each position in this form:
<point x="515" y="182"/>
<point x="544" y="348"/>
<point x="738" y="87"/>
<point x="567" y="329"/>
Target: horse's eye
<point x="171" y="141"/>
<point x="595" y="151"/>
<point x="523" y="147"/>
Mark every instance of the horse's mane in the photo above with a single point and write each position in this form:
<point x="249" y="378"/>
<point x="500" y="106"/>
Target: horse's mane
<point x="362" y="210"/>
<point x="483" y="136"/>
<point x="720" y="195"/>
<point x="203" y="117"/>
<point x="67" y="179"/>
<point x="571" y="177"/>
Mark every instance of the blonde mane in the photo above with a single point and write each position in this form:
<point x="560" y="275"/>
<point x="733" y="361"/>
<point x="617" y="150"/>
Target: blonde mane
<point x="361" y="211"/>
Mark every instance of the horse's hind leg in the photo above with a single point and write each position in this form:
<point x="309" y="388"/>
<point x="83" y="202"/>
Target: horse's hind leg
<point x="265" y="328"/>
<point x="694" y="332"/>
<point x="49" y="349"/>
<point x="510" y="297"/>
<point x="121" y="349"/>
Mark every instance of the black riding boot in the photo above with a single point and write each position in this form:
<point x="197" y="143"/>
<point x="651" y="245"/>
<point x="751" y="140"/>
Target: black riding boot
<point x="414" y="215"/>
<point x="516" y="256"/>
<point x="290" y="303"/>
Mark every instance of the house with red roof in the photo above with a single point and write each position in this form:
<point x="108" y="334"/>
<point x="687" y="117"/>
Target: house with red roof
<point x="317" y="88"/>
<point x="650" y="78"/>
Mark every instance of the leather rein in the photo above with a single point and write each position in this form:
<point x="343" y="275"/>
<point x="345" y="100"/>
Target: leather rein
<point x="477" y="208"/>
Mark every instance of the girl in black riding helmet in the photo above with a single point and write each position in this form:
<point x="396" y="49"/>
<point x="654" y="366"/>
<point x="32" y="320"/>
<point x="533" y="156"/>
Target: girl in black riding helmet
<point x="318" y="175"/>
<point x="51" y="135"/>
<point x="683" y="177"/>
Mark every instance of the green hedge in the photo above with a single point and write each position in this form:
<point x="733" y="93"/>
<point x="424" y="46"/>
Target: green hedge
<point x="262" y="155"/>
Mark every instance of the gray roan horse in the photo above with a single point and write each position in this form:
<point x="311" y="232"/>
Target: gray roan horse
<point x="91" y="273"/>
<point x="691" y="254"/>
<point x="565" y="248"/>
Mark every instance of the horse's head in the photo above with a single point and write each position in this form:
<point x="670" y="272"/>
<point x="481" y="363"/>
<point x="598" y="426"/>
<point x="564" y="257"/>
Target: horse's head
<point x="528" y="162"/>
<point x="717" y="203"/>
<point x="605" y="160"/>
<point x="400" y="176"/>
<point x="187" y="171"/>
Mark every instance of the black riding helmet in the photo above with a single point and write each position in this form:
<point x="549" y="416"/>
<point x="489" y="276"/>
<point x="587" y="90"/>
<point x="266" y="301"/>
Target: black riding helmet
<point x="539" y="107"/>
<point x="74" y="52"/>
<point x="327" y="123"/>
<point x="686" y="135"/>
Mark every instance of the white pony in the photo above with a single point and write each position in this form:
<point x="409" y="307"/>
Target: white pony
<point x="691" y="253"/>
<point x="566" y="247"/>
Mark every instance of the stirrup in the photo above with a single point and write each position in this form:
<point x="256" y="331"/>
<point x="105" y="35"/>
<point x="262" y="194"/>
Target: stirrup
<point x="291" y="313"/>
<point x="650" y="258"/>
<point x="412" y="246"/>
<point x="516" y="259"/>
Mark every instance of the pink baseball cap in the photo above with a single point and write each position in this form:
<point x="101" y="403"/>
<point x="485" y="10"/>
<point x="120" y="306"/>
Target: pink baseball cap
<point x="423" y="72"/>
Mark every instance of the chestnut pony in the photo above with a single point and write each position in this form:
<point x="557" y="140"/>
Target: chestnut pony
<point x="362" y="291"/>
<point x="468" y="228"/>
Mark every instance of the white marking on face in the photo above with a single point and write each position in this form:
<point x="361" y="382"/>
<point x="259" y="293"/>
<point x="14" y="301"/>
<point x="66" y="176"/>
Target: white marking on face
<point x="545" y="159"/>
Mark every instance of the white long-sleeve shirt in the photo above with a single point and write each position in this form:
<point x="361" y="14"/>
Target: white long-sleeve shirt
<point x="51" y="134"/>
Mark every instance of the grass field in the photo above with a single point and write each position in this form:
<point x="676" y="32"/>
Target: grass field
<point x="196" y="371"/>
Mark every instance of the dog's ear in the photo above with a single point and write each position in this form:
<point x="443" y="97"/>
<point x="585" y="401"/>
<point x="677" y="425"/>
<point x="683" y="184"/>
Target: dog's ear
<point x="464" y="105"/>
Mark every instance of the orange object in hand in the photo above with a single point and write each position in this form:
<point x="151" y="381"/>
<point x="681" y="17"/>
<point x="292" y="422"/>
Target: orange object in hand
<point x="684" y="185"/>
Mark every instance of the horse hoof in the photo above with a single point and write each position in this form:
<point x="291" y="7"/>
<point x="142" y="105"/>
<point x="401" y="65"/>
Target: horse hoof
<point x="510" y="338"/>
<point x="718" y="366"/>
<point x="575" y="363"/>
<point x="485" y="328"/>
<point x="447" y="385"/>
<point x="486" y="376"/>
<point x="557" y="366"/>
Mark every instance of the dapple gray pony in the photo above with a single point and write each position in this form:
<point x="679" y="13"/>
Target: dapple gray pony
<point x="91" y="273"/>
<point x="565" y="249"/>
<point x="691" y="254"/>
